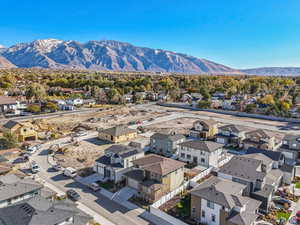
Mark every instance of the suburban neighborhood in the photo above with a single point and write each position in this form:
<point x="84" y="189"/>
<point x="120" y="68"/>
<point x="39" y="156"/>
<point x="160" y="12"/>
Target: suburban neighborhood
<point x="153" y="164"/>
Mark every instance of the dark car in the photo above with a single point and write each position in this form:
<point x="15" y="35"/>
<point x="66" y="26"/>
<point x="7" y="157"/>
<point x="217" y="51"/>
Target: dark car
<point x="72" y="194"/>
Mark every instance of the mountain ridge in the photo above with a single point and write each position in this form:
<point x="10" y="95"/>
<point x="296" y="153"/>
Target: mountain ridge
<point x="106" y="55"/>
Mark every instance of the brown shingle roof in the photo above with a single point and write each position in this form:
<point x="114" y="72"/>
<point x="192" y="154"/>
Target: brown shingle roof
<point x="158" y="164"/>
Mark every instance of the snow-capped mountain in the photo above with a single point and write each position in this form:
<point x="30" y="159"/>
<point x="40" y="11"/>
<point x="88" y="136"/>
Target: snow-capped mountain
<point x="106" y="55"/>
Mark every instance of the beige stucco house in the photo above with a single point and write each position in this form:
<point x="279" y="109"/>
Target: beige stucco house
<point x="117" y="134"/>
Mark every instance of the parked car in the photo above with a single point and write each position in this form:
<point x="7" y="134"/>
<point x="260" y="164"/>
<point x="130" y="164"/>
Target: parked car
<point x="25" y="157"/>
<point x="80" y="133"/>
<point x="70" y="172"/>
<point x="34" y="167"/>
<point x="72" y="194"/>
<point x="57" y="167"/>
<point x="33" y="149"/>
<point x="94" y="186"/>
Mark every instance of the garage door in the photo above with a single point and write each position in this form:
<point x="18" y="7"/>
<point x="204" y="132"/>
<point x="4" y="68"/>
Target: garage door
<point x="133" y="183"/>
<point x="221" y="140"/>
<point x="288" y="155"/>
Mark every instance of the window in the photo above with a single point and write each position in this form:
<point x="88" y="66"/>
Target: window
<point x="188" y="156"/>
<point x="202" y="160"/>
<point x="182" y="155"/>
<point x="213" y="217"/>
<point x="203" y="213"/>
<point x="193" y="210"/>
<point x="210" y="205"/>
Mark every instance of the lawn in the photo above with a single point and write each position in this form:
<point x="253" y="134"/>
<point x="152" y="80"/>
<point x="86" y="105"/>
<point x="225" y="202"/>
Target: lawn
<point x="283" y="215"/>
<point x="183" y="207"/>
<point x="297" y="185"/>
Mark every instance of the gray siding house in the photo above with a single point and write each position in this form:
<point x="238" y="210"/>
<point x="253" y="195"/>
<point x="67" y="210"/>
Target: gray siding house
<point x="166" y="144"/>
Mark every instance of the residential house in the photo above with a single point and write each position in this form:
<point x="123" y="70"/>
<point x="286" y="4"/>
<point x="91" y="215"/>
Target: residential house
<point x="279" y="161"/>
<point x="231" y="135"/>
<point x="75" y="101"/>
<point x="258" y="172"/>
<point x="38" y="210"/>
<point x="117" y="134"/>
<point x="261" y="139"/>
<point x="14" y="189"/>
<point x="228" y="105"/>
<point x="290" y="148"/>
<point x="218" y="201"/>
<point x="128" y="98"/>
<point x="89" y="102"/>
<point x="203" y="153"/>
<point x="116" y="161"/>
<point x="10" y="105"/>
<point x="24" y="131"/>
<point x="204" y="129"/>
<point x="154" y="176"/>
<point x="166" y="144"/>
<point x="219" y="96"/>
<point x="152" y="96"/>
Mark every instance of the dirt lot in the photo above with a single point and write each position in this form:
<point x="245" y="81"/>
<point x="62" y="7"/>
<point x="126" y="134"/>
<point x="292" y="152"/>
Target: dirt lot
<point x="81" y="156"/>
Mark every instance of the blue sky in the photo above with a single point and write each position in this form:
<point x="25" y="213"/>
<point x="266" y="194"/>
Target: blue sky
<point x="237" y="33"/>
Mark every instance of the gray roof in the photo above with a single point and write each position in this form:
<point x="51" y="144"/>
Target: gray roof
<point x="291" y="137"/>
<point x="266" y="191"/>
<point x="118" y="131"/>
<point x="136" y="174"/>
<point x="208" y="146"/>
<point x="244" y="167"/>
<point x="274" y="155"/>
<point x="229" y="194"/>
<point x="233" y="128"/>
<point x="10" y="124"/>
<point x="123" y="151"/>
<point x="37" y="211"/>
<point x="171" y="137"/>
<point x="12" y="189"/>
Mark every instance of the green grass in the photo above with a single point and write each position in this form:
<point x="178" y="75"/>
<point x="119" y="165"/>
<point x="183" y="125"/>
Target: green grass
<point x="297" y="185"/>
<point x="283" y="215"/>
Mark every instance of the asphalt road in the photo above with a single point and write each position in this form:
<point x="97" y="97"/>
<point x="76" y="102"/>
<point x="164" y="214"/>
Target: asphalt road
<point x="108" y="211"/>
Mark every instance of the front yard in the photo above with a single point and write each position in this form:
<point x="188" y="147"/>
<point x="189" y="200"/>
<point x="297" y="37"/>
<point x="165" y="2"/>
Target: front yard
<point x="275" y="216"/>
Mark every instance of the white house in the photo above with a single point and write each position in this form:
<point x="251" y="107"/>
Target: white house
<point x="116" y="161"/>
<point x="76" y="101"/>
<point x="203" y="153"/>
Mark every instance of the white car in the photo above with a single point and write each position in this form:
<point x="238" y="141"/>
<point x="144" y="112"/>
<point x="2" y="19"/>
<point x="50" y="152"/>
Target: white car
<point x="94" y="186"/>
<point x="70" y="172"/>
<point x="80" y="133"/>
<point x="34" y="167"/>
<point x="33" y="149"/>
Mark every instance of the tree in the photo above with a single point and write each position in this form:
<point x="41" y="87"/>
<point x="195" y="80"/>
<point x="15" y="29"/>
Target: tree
<point x="34" y="108"/>
<point x="51" y="106"/>
<point x="203" y="104"/>
<point x="268" y="100"/>
<point x="8" y="140"/>
<point x="205" y="94"/>
<point x="35" y="91"/>
<point x="250" y="108"/>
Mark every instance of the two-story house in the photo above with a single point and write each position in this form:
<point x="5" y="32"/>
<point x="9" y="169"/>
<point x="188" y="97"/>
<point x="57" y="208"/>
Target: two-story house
<point x="75" y="101"/>
<point x="154" y="176"/>
<point x="258" y="172"/>
<point x="290" y="148"/>
<point x="204" y="129"/>
<point x="166" y="144"/>
<point x="231" y="135"/>
<point x="116" y="161"/>
<point x="261" y="139"/>
<point x="41" y="211"/>
<point x="203" y="153"/>
<point x="25" y="131"/>
<point x="218" y="201"/>
<point x="117" y="134"/>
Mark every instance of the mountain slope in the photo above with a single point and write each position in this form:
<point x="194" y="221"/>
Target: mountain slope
<point x="4" y="63"/>
<point x="274" y="71"/>
<point x="106" y="55"/>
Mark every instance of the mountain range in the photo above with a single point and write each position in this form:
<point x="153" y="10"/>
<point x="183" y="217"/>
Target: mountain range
<point x="115" y="56"/>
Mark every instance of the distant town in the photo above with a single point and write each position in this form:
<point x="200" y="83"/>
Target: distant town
<point x="129" y="148"/>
